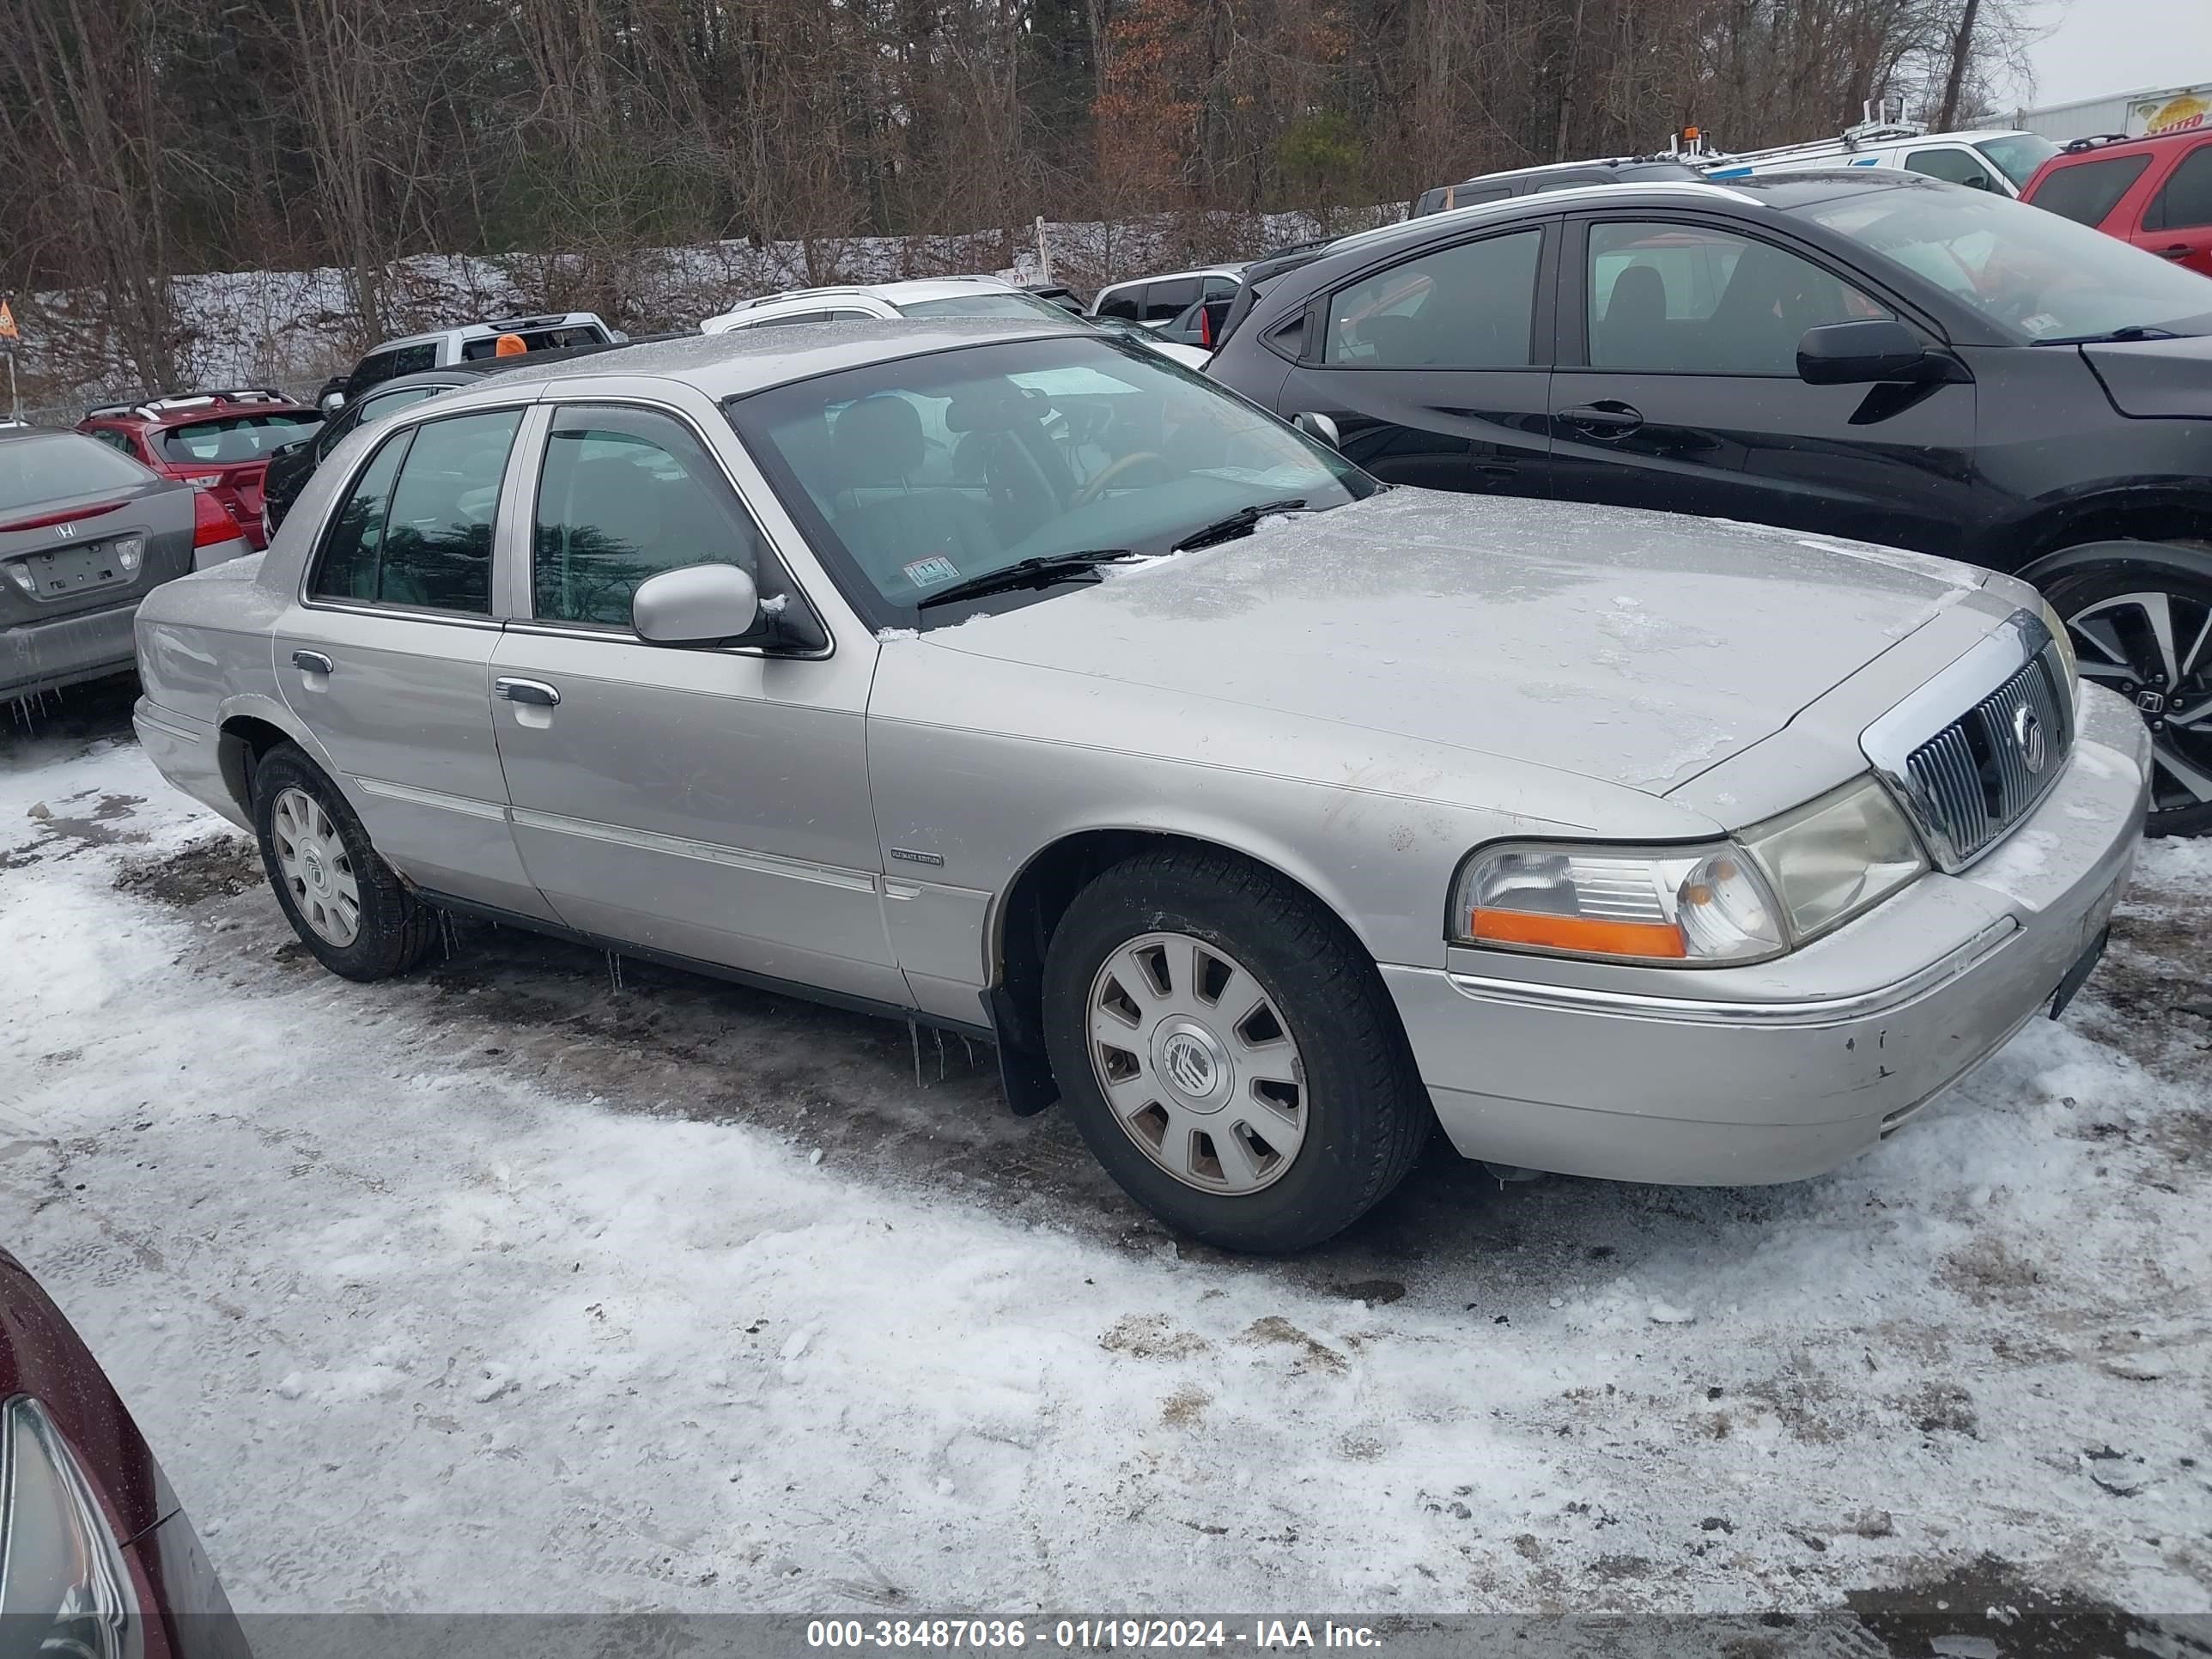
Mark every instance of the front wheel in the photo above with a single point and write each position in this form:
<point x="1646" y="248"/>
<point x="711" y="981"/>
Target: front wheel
<point x="1229" y="1053"/>
<point x="2141" y="618"/>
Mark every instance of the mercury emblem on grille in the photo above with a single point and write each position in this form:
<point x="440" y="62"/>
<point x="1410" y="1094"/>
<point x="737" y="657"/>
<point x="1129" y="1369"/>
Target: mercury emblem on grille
<point x="2027" y="732"/>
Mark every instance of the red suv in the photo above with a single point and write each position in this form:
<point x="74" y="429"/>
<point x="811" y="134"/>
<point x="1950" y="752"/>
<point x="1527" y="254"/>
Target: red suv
<point x="2155" y="192"/>
<point x="220" y="440"/>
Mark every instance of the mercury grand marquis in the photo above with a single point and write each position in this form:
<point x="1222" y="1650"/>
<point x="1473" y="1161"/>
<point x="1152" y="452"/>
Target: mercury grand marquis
<point x="1005" y="679"/>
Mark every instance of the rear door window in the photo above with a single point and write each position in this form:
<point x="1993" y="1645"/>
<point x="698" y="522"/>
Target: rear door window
<point x="2184" y="201"/>
<point x="1469" y="307"/>
<point x="416" y="529"/>
<point x="2087" y="192"/>
<point x="1163" y="300"/>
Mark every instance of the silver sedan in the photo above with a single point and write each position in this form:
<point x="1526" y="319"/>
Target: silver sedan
<point x="1007" y="679"/>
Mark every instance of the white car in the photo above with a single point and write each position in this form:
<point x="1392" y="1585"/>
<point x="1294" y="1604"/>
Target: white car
<point x="935" y="297"/>
<point x="1155" y="301"/>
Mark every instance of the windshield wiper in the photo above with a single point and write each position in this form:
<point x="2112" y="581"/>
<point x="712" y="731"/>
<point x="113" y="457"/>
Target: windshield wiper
<point x="1040" y="572"/>
<point x="1239" y="523"/>
<point x="2118" y="336"/>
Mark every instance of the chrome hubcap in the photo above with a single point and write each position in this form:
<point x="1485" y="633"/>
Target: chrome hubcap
<point x="1197" y="1063"/>
<point x="317" y="870"/>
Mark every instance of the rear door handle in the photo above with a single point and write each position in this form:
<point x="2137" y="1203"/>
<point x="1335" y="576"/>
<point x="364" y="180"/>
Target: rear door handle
<point x="310" y="662"/>
<point x="535" y="693"/>
<point x="2179" y="250"/>
<point x="1607" y="419"/>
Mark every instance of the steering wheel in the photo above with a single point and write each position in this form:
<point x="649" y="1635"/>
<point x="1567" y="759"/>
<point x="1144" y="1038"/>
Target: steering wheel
<point x="1112" y="471"/>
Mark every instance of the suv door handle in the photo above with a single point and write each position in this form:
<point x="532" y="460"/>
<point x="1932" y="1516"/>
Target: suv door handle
<point x="2179" y="250"/>
<point x="310" y="662"/>
<point x="537" y="693"/>
<point x="1609" y="418"/>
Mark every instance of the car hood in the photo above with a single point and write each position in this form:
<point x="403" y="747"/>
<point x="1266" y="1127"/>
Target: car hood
<point x="1637" y="648"/>
<point x="2155" y="379"/>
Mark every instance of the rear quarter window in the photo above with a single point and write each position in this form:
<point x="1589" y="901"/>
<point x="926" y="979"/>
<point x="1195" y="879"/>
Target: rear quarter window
<point x="2087" y="192"/>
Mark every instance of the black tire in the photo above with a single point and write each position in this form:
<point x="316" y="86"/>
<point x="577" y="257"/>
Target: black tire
<point x="396" y="930"/>
<point x="1365" y="1114"/>
<point x="2078" y="580"/>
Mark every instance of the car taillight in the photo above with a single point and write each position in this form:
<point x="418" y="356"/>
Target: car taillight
<point x="1206" y="328"/>
<point x="211" y="523"/>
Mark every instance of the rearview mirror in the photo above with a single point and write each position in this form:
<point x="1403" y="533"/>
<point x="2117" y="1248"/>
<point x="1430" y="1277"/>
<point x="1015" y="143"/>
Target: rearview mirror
<point x="699" y="603"/>
<point x="1319" y="427"/>
<point x="1861" y="354"/>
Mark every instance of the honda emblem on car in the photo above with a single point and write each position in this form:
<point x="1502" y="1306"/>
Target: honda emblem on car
<point x="2027" y="732"/>
<point x="66" y="531"/>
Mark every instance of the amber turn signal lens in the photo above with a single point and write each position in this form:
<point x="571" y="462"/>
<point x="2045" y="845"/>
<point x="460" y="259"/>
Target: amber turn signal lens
<point x="1580" y="934"/>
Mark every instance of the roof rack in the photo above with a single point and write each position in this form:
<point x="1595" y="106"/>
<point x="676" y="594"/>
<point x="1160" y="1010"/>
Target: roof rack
<point x="2096" y="141"/>
<point x="1883" y="119"/>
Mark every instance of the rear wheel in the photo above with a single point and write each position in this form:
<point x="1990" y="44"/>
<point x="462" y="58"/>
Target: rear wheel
<point x="1229" y="1053"/>
<point x="345" y="902"/>
<point x="2141" y="618"/>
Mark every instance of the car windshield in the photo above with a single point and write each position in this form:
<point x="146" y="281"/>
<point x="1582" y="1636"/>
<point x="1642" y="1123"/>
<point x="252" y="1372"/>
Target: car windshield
<point x="2017" y="155"/>
<point x="2033" y="273"/>
<point x="233" y="438"/>
<point x="915" y="474"/>
<point x="990" y="302"/>
<point x="56" y="466"/>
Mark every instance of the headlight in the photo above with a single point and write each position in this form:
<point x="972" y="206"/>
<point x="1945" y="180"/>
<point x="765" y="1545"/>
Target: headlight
<point x="1837" y="856"/>
<point x="1776" y="886"/>
<point x="1706" y="904"/>
<point x="59" y="1559"/>
<point x="2056" y="624"/>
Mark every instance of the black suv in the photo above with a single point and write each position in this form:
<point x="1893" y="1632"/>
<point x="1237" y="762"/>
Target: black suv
<point x="1888" y="358"/>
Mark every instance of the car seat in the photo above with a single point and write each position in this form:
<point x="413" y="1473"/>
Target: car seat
<point x="878" y="445"/>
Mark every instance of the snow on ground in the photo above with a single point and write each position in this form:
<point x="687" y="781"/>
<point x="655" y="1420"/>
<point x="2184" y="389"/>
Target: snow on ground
<point x="503" y="1288"/>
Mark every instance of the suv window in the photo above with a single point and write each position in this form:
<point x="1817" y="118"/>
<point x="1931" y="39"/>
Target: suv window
<point x="416" y="530"/>
<point x="2088" y="190"/>
<point x="1469" y="307"/>
<point x="626" y="493"/>
<point x="381" y="366"/>
<point x="116" y="438"/>
<point x="232" y="438"/>
<point x="1686" y="299"/>
<point x="1959" y="167"/>
<point x="1170" y="298"/>
<point x="1123" y="302"/>
<point x="2184" y="201"/>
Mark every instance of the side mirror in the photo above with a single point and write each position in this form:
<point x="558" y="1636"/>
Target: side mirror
<point x="1318" y="427"/>
<point x="696" y="604"/>
<point x="330" y="403"/>
<point x="1863" y="353"/>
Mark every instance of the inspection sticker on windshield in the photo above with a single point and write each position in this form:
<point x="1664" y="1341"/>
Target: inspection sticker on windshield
<point x="928" y="573"/>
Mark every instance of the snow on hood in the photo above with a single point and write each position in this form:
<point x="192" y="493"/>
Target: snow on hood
<point x="1636" y="647"/>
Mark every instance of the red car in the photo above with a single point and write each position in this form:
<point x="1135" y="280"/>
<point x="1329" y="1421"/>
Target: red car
<point x="220" y="440"/>
<point x="2155" y="192"/>
<point x="96" y="1558"/>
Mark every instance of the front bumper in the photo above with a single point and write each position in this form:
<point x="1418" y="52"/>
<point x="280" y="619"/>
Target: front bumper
<point x="1783" y="1070"/>
<point x="45" y="656"/>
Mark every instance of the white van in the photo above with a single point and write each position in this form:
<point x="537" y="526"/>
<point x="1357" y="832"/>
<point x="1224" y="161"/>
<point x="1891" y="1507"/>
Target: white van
<point x="2001" y="160"/>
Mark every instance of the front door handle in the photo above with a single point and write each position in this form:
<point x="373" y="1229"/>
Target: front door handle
<point x="2179" y="250"/>
<point x="1609" y="418"/>
<point x="535" y="693"/>
<point x="310" y="662"/>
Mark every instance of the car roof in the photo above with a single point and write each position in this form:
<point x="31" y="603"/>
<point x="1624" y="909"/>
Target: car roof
<point x="184" y="409"/>
<point x="912" y="287"/>
<point x="745" y="361"/>
<point x="2087" y="149"/>
<point x="503" y="326"/>
<point x="1227" y="268"/>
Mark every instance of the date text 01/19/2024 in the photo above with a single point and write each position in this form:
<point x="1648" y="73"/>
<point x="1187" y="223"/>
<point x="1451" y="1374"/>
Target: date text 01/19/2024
<point x="1123" y="1634"/>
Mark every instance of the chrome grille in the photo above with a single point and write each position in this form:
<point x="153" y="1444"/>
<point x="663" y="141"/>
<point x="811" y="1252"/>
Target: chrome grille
<point x="1980" y="776"/>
